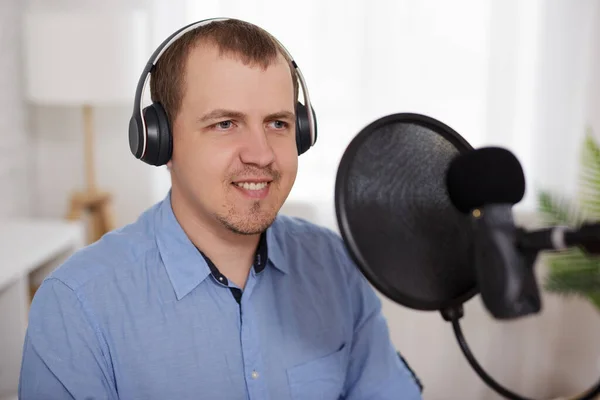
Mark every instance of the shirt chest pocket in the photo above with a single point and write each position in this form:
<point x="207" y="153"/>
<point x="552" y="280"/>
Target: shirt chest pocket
<point x="319" y="379"/>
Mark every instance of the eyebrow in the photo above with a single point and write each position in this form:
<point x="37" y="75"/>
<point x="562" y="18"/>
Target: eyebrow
<point x="282" y="115"/>
<point x="220" y="113"/>
<point x="230" y="114"/>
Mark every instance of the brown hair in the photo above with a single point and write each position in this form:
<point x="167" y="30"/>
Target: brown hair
<point x="251" y="44"/>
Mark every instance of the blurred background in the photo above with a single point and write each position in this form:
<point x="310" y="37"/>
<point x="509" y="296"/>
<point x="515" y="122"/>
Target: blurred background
<point x="520" y="74"/>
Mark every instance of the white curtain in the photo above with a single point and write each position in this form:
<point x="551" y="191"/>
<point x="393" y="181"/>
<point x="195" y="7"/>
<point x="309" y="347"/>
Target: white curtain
<point x="520" y="74"/>
<point x="363" y="60"/>
<point x="508" y="73"/>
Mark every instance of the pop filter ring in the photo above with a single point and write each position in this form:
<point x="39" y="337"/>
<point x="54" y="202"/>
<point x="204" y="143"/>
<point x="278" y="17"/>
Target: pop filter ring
<point x="343" y="220"/>
<point x="453" y="310"/>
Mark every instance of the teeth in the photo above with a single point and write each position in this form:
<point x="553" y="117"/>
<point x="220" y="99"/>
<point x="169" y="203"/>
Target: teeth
<point x="252" y="185"/>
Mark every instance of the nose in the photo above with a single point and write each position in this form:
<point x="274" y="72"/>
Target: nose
<point x="256" y="148"/>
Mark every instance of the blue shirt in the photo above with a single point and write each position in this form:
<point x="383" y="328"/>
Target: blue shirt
<point x="138" y="315"/>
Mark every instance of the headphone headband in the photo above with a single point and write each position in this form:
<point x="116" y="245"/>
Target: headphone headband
<point x="143" y="81"/>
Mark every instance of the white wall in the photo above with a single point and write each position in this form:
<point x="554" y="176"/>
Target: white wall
<point x="59" y="164"/>
<point x="541" y="90"/>
<point x="58" y="149"/>
<point x="15" y="144"/>
<point x="592" y="83"/>
<point x="565" y="77"/>
<point x="58" y="133"/>
<point x="77" y="4"/>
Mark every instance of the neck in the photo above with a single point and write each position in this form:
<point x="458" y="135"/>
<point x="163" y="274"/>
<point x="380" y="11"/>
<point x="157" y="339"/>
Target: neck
<point x="232" y="253"/>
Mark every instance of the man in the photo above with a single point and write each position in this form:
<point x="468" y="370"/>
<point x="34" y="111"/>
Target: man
<point x="211" y="294"/>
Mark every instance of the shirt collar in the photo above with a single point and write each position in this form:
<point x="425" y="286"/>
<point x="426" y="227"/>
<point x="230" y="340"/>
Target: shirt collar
<point x="260" y="261"/>
<point x="185" y="265"/>
<point x="275" y="243"/>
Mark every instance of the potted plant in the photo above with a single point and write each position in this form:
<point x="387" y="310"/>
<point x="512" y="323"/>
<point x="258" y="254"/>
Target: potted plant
<point x="574" y="272"/>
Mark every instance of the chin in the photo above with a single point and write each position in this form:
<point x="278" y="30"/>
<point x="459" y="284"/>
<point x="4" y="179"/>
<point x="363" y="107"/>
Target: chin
<point x="250" y="223"/>
<point x="248" y="227"/>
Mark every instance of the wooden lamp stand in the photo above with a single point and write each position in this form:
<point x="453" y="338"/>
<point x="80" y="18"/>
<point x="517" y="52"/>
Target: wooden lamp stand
<point x="94" y="204"/>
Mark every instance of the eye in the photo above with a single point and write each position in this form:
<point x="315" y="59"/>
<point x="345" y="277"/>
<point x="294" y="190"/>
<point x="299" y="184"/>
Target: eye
<point x="279" y="124"/>
<point x="224" y="125"/>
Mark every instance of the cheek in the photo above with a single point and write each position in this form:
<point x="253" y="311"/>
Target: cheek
<point x="287" y="160"/>
<point x="204" y="164"/>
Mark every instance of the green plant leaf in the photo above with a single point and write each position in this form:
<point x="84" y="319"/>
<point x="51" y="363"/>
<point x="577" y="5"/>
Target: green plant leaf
<point x="574" y="272"/>
<point x="589" y="177"/>
<point x="595" y="299"/>
<point x="558" y="210"/>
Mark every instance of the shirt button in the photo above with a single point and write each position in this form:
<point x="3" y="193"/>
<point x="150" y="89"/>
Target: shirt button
<point x="254" y="375"/>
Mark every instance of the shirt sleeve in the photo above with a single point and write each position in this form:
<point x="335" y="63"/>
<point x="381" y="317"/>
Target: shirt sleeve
<point x="62" y="354"/>
<point x="376" y="370"/>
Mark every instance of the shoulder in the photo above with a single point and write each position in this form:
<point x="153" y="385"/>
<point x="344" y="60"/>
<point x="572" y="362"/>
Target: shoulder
<point x="305" y="241"/>
<point x="116" y="253"/>
<point x="303" y="234"/>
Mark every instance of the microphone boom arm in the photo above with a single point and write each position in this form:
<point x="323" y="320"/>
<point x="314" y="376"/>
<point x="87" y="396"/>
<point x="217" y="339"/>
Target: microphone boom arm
<point x="453" y="315"/>
<point x="587" y="236"/>
<point x="529" y="244"/>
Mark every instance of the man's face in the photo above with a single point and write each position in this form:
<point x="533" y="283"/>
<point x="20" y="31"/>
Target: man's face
<point x="234" y="145"/>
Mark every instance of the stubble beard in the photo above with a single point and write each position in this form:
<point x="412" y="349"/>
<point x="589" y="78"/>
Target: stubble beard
<point x="260" y="214"/>
<point x="255" y="221"/>
<point x="256" y="218"/>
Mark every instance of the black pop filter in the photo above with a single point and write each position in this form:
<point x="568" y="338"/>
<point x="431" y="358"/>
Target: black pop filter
<point x="411" y="242"/>
<point x="395" y="215"/>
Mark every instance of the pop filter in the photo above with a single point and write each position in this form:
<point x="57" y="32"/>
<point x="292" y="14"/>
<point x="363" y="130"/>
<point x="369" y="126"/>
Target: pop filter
<point x="395" y="215"/>
<point x="411" y="242"/>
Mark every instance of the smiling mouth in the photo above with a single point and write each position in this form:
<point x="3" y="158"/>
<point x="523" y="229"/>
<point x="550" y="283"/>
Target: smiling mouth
<point x="252" y="185"/>
<point x="253" y="190"/>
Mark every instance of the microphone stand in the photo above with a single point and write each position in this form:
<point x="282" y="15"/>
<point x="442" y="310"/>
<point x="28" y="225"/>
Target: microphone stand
<point x="453" y="315"/>
<point x="529" y="244"/>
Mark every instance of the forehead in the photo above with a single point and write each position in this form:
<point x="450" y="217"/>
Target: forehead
<point x="213" y="79"/>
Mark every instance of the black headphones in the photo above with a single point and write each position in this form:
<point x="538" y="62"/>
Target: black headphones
<point x="150" y="138"/>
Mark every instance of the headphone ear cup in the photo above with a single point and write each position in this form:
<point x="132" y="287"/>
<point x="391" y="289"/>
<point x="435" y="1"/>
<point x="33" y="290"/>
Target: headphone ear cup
<point x="303" y="140"/>
<point x="136" y="136"/>
<point x="159" y="142"/>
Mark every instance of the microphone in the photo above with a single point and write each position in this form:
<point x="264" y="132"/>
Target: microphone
<point x="486" y="183"/>
<point x="428" y="221"/>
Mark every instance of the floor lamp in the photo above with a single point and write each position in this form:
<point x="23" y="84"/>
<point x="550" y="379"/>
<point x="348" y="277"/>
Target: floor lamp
<point x="85" y="59"/>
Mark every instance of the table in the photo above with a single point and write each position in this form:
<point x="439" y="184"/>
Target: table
<point x="29" y="250"/>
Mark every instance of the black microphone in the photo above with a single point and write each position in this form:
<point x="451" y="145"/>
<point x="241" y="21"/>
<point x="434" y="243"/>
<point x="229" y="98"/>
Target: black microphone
<point x="486" y="183"/>
<point x="428" y="221"/>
